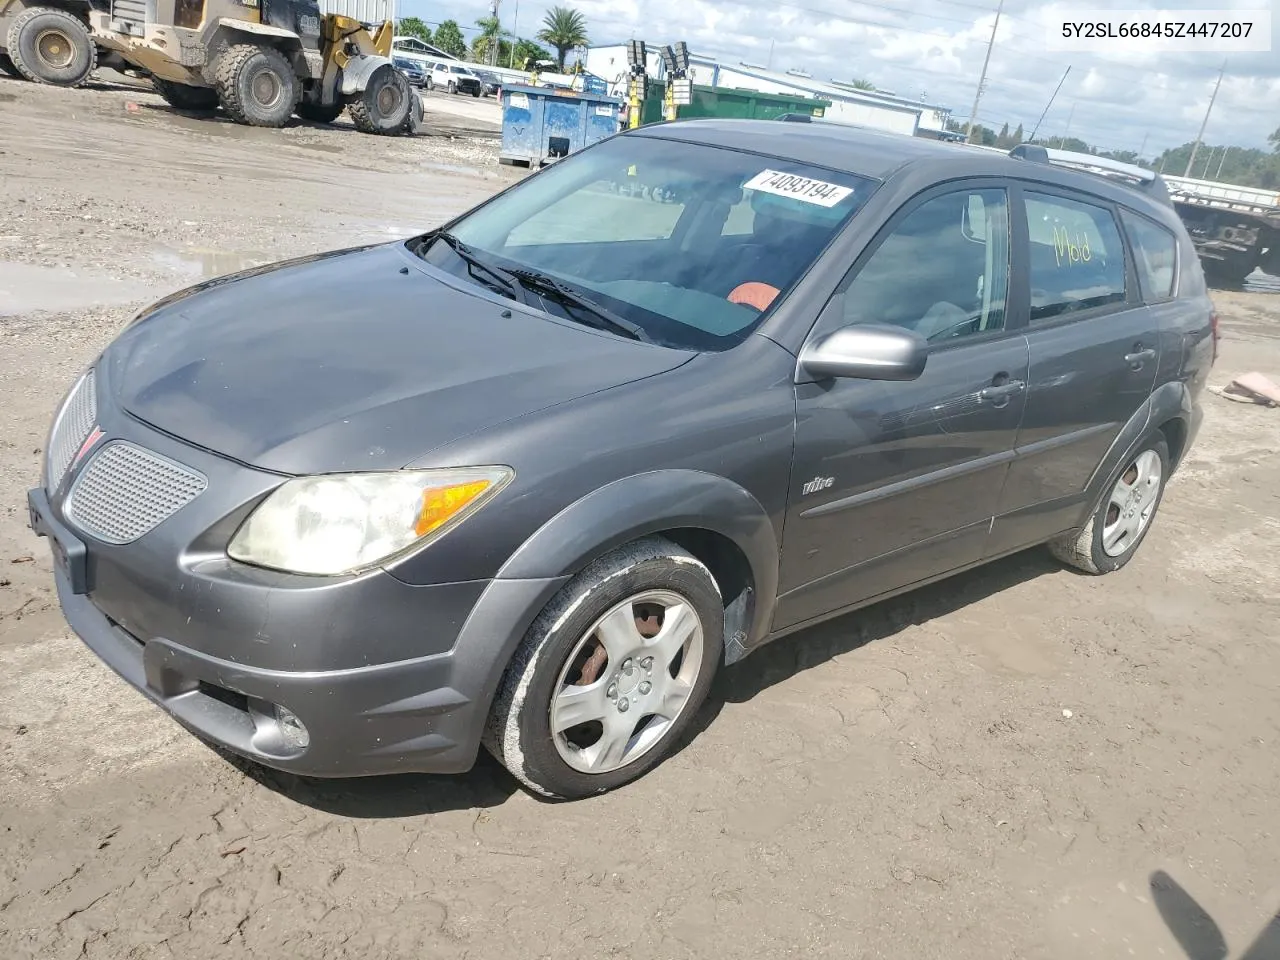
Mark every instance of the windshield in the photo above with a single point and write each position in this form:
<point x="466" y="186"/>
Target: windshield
<point x="692" y="244"/>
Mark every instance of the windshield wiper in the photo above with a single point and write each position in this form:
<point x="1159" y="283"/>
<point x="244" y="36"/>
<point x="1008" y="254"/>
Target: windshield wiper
<point x="567" y="296"/>
<point x="468" y="256"/>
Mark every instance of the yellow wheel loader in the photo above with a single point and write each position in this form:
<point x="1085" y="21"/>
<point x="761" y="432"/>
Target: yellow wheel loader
<point x="262" y="61"/>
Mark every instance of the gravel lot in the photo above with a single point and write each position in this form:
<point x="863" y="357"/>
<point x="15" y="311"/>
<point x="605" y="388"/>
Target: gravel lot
<point x="1019" y="763"/>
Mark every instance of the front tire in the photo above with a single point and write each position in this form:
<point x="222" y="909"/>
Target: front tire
<point x="183" y="96"/>
<point x="611" y="673"/>
<point x="383" y="106"/>
<point x="453" y="87"/>
<point x="1120" y="522"/>
<point x="51" y="46"/>
<point x="256" y="85"/>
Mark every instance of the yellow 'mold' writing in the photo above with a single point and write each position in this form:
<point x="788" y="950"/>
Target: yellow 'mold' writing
<point x="1067" y="250"/>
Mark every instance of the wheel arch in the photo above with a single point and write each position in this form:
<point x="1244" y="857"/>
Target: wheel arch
<point x="1169" y="409"/>
<point x="712" y="517"/>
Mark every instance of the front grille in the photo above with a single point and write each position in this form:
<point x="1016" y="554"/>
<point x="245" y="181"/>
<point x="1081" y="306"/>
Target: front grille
<point x="129" y="11"/>
<point x="126" y="491"/>
<point x="75" y="420"/>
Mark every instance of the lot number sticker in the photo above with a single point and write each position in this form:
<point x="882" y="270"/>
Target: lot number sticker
<point x="798" y="188"/>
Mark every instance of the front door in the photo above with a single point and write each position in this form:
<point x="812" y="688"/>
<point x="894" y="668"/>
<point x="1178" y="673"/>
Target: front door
<point x="894" y="483"/>
<point x="1094" y="353"/>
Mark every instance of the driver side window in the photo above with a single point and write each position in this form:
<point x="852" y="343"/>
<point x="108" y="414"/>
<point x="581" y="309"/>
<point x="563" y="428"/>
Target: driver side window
<point x="943" y="271"/>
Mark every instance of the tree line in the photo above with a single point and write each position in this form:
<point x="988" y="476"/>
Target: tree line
<point x="1243" y="166"/>
<point x="563" y="28"/>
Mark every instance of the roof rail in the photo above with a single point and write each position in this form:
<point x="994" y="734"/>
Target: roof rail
<point x="1147" y="180"/>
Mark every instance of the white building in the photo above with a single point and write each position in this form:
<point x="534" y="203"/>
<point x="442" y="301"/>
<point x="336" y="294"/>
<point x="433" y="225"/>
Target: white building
<point x="866" y="108"/>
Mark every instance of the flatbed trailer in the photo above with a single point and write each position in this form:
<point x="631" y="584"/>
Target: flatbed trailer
<point x="1235" y="229"/>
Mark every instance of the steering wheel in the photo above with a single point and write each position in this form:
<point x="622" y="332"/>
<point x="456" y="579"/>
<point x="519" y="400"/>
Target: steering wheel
<point x="955" y="330"/>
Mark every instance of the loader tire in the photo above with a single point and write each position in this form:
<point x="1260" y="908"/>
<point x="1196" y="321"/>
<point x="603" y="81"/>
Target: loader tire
<point x="6" y="66"/>
<point x="51" y="46"/>
<point x="320" y="112"/>
<point x="256" y="85"/>
<point x="183" y="96"/>
<point x="383" y="106"/>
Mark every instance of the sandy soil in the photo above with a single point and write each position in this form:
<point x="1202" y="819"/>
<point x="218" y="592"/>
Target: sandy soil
<point x="1020" y="763"/>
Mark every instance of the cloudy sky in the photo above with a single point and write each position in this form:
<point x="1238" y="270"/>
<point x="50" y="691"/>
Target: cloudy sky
<point x="935" y="47"/>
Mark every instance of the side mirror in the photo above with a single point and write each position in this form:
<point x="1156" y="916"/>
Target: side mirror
<point x="866" y="352"/>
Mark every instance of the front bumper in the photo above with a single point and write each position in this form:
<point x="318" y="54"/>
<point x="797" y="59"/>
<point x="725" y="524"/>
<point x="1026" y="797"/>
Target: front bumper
<point x="418" y="714"/>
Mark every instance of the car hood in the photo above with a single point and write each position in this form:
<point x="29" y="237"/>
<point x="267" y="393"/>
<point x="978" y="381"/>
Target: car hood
<point x="358" y="360"/>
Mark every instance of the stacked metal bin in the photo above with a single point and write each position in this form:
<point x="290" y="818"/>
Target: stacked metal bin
<point x="733" y="103"/>
<point x="542" y="124"/>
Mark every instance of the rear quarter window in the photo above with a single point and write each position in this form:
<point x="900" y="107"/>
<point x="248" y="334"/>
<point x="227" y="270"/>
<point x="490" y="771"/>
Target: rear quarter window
<point x="1076" y="255"/>
<point x="1155" y="252"/>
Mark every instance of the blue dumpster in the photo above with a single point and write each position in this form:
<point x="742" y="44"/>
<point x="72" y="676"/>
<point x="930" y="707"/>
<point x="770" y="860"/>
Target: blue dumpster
<point x="541" y="124"/>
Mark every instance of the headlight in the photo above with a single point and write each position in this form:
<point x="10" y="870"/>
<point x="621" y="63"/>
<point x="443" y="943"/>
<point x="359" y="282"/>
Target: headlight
<point x="345" y="522"/>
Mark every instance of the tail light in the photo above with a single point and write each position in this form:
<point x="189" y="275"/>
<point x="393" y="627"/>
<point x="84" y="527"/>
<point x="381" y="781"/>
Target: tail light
<point x="1213" y="327"/>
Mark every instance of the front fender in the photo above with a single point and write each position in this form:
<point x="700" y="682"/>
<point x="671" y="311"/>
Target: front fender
<point x="648" y="503"/>
<point x="356" y="74"/>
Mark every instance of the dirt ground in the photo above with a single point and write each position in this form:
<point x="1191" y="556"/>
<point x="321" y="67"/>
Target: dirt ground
<point x="1019" y="763"/>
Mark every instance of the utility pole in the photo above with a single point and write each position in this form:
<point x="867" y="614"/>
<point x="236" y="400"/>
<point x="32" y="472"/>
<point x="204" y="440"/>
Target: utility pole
<point x="1070" y="113"/>
<point x="982" y="79"/>
<point x="1049" y="104"/>
<point x="1222" y="161"/>
<point x="1204" y="123"/>
<point x="515" y="35"/>
<point x="769" y="62"/>
<point x="496" y="42"/>
<point x="1144" y="145"/>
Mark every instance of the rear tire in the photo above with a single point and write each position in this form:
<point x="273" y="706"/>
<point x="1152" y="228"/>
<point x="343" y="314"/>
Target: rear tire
<point x="182" y="96"/>
<point x="256" y="85"/>
<point x="611" y="673"/>
<point x="6" y="66"/>
<point x="1120" y="521"/>
<point x="383" y="106"/>
<point x="51" y="46"/>
<point x="320" y="112"/>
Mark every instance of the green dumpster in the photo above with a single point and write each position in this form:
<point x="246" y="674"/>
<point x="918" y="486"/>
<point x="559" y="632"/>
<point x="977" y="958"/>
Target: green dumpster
<point x="731" y="102"/>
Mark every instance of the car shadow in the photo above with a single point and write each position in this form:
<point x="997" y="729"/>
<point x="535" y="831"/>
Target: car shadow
<point x="393" y="796"/>
<point x="784" y="658"/>
<point x="1197" y="933"/>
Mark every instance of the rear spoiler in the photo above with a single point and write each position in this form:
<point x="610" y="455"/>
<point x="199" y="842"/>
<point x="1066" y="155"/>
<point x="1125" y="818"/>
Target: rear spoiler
<point x="1148" y="181"/>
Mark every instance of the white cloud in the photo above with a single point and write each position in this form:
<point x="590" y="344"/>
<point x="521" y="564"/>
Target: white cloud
<point x="1113" y="99"/>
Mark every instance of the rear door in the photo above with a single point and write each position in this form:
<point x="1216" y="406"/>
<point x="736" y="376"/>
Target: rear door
<point x="894" y="483"/>
<point x="1094" y="350"/>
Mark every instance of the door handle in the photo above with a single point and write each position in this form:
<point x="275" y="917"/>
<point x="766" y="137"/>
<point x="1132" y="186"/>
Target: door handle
<point x="1003" y="391"/>
<point x="1139" y="356"/>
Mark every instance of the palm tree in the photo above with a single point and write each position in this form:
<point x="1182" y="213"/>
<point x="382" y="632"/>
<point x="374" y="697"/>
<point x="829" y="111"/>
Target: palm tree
<point x="860" y="84"/>
<point x="564" y="28"/>
<point x="486" y="43"/>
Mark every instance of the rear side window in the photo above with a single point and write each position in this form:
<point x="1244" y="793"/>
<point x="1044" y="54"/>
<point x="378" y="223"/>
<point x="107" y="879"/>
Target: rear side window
<point x="1077" y="257"/>
<point x="1155" y="251"/>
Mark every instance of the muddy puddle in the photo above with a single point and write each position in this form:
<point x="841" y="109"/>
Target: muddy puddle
<point x="194" y="263"/>
<point x="26" y="289"/>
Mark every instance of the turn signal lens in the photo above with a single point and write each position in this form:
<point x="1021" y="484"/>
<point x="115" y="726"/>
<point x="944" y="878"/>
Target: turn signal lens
<point x="439" y="504"/>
